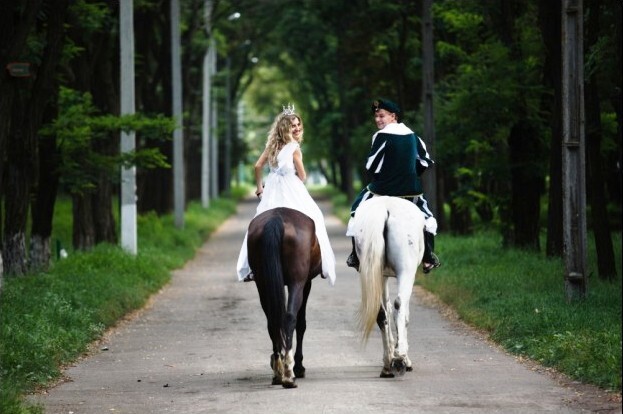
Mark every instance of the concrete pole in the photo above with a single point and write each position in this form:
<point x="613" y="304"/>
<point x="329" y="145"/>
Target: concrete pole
<point x="128" y="175"/>
<point x="228" y="120"/>
<point x="205" y="127"/>
<point x="573" y="156"/>
<point x="213" y="129"/>
<point x="178" y="139"/>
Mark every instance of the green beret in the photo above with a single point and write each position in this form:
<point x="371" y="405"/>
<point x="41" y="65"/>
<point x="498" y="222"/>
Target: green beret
<point x="386" y="104"/>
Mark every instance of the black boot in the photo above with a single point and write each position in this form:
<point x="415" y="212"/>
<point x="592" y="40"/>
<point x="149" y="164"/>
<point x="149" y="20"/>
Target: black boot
<point x="430" y="259"/>
<point x="353" y="260"/>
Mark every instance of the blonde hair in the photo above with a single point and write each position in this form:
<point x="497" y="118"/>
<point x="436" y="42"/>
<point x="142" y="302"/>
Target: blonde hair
<point x="280" y="134"/>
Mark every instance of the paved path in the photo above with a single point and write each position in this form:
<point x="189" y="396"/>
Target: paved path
<point x="201" y="346"/>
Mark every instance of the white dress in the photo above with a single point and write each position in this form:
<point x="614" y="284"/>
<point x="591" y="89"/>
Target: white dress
<point x="282" y="188"/>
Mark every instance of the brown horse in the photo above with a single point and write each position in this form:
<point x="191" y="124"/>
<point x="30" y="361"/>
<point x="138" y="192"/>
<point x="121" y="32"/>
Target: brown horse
<point x="284" y="251"/>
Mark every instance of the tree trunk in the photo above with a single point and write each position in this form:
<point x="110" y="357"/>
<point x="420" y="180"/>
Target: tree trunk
<point x="596" y="177"/>
<point x="460" y="217"/>
<point x="615" y="184"/>
<point x="20" y="165"/>
<point x="94" y="73"/>
<point x="106" y="98"/>
<point x="25" y="123"/>
<point x="526" y="184"/>
<point x="153" y="95"/>
<point x="155" y="186"/>
<point x="105" y="228"/>
<point x="83" y="234"/>
<point x="523" y="145"/>
<point x="549" y="23"/>
<point x="45" y="197"/>
<point x="14" y="31"/>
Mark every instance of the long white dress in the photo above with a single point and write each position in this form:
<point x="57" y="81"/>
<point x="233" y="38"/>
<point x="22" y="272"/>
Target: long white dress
<point x="282" y="188"/>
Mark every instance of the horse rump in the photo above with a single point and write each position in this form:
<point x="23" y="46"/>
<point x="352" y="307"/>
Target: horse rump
<point x="283" y="251"/>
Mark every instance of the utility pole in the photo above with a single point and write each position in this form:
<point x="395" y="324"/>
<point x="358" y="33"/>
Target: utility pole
<point x="228" y="115"/>
<point x="573" y="156"/>
<point x="428" y="59"/>
<point x="207" y="99"/>
<point x="178" y="139"/>
<point x="228" y="120"/>
<point x="213" y="128"/>
<point x="128" y="175"/>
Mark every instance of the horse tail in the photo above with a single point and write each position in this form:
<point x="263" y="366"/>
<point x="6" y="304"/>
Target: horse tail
<point x="372" y="263"/>
<point x="273" y="272"/>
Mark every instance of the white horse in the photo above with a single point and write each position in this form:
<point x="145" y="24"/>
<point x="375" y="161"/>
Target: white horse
<point x="389" y="238"/>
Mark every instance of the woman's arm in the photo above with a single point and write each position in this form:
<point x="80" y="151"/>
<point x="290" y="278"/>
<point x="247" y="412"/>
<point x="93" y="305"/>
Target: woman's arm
<point x="298" y="164"/>
<point x="259" y="166"/>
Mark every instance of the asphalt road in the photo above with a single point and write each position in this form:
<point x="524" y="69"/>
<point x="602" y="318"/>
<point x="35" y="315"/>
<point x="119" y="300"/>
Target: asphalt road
<point x="201" y="346"/>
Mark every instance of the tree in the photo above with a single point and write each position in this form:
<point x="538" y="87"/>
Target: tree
<point x="525" y="141"/>
<point x="549" y="24"/>
<point x="79" y="128"/>
<point x="153" y="96"/>
<point x="22" y="107"/>
<point x="595" y="174"/>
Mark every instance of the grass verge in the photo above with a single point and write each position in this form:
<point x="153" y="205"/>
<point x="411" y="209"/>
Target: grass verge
<point x="48" y="319"/>
<point x="518" y="297"/>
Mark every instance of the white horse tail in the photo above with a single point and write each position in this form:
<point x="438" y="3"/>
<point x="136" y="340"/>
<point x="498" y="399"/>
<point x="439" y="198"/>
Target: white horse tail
<point x="372" y="217"/>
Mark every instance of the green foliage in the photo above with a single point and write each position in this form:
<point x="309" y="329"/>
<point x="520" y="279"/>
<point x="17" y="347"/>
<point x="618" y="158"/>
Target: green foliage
<point x="49" y="319"/>
<point x="79" y="126"/>
<point x="518" y="297"/>
<point x="489" y="84"/>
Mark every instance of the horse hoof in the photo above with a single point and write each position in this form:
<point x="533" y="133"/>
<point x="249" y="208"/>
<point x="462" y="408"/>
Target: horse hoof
<point x="299" y="372"/>
<point x="289" y="384"/>
<point x="386" y="374"/>
<point x="399" y="367"/>
<point x="409" y="369"/>
<point x="277" y="381"/>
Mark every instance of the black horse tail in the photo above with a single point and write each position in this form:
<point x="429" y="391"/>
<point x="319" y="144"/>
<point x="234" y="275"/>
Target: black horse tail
<point x="273" y="273"/>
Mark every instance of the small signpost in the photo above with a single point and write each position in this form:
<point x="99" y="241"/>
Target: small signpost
<point x="19" y="69"/>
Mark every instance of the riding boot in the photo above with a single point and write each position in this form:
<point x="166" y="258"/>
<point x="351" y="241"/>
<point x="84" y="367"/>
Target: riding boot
<point x="353" y="260"/>
<point x="430" y="259"/>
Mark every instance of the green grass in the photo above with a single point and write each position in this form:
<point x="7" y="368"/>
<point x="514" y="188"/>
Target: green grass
<point x="48" y="319"/>
<point x="518" y="297"/>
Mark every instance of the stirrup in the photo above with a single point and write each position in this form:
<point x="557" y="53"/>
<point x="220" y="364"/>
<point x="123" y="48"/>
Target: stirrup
<point x="427" y="267"/>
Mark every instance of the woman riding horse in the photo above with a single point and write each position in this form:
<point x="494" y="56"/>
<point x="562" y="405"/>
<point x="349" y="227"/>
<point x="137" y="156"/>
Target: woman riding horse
<point x="286" y="245"/>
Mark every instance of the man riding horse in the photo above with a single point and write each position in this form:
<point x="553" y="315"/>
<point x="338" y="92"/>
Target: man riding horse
<point x="397" y="159"/>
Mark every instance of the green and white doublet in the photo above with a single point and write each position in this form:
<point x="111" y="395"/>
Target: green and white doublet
<point x="396" y="160"/>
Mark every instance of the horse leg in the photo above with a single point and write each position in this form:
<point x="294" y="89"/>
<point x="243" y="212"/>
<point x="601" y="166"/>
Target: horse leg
<point x="401" y="361"/>
<point x="295" y="299"/>
<point x="274" y="331"/>
<point x="383" y="321"/>
<point x="276" y="359"/>
<point x="276" y="363"/>
<point x="301" y="326"/>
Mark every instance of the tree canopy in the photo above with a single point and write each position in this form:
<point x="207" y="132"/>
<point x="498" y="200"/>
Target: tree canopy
<point x="496" y="103"/>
